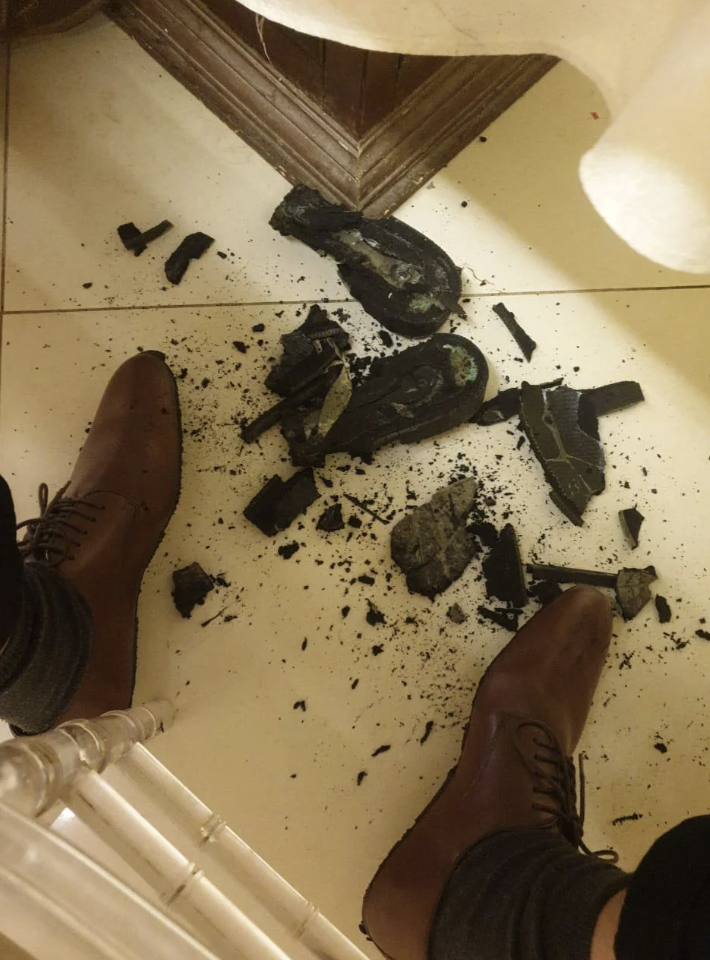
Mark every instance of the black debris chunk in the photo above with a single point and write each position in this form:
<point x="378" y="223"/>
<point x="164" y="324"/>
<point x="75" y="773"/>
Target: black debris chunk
<point x="331" y="519"/>
<point x="374" y="615"/>
<point x="278" y="503"/>
<point x="544" y="591"/>
<point x="133" y="239"/>
<point x="288" y="550"/>
<point x="365" y="509"/>
<point x="386" y="338"/>
<point x="703" y="634"/>
<point x="300" y="705"/>
<point x="561" y="425"/>
<point x="456" y="614"/>
<point x="631" y="520"/>
<point x="661" y="747"/>
<point x="377" y="649"/>
<point x="432" y="545"/>
<point x="399" y="276"/>
<point x="626" y="819"/>
<point x="88" y="285"/>
<point x="503" y="570"/>
<point x="663" y="609"/>
<point x="526" y="343"/>
<point x="631" y="584"/>
<point x="503" y="406"/>
<point x="614" y="396"/>
<point x="508" y="619"/>
<point x="361" y="776"/>
<point x="190" y="587"/>
<point x="307" y="351"/>
<point x="428" y="727"/>
<point x="383" y="749"/>
<point x="315" y="388"/>
<point x="191" y="248"/>
<point x="418" y="393"/>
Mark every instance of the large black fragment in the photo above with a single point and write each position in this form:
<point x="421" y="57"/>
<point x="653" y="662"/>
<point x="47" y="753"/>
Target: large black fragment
<point x="399" y="276"/>
<point x="526" y="343"/>
<point x="663" y="609"/>
<point x="190" y="587"/>
<point x="504" y="405"/>
<point x="508" y="619"/>
<point x="331" y="519"/>
<point x="614" y="396"/>
<point x="191" y="248"/>
<point x="432" y="544"/>
<point x="423" y="391"/>
<point x="278" y="503"/>
<point x="137" y="241"/>
<point x="503" y="570"/>
<point x="631" y="584"/>
<point x="561" y="425"/>
<point x="631" y="520"/>
<point x="314" y="343"/>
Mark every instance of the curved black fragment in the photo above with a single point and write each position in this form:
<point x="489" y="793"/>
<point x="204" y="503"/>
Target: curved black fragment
<point x="615" y="396"/>
<point x="524" y="341"/>
<point x="191" y="248"/>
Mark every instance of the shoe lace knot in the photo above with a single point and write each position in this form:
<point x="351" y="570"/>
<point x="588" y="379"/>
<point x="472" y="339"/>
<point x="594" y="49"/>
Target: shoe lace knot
<point x="555" y="785"/>
<point x="58" y="530"/>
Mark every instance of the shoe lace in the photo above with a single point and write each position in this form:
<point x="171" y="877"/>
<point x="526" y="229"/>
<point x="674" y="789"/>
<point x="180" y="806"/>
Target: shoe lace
<point x="555" y="779"/>
<point x="51" y="536"/>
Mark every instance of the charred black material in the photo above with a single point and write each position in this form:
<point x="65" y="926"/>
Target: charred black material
<point x="544" y="592"/>
<point x="418" y="393"/>
<point x="631" y="584"/>
<point x="503" y="406"/>
<point x="631" y="520"/>
<point x="399" y="276"/>
<point x="526" y="343"/>
<point x="315" y="387"/>
<point x="133" y="239"/>
<point x="432" y="544"/>
<point x="278" y="503"/>
<point x="456" y="614"/>
<point x="508" y="619"/>
<point x="190" y="587"/>
<point x="503" y="570"/>
<point x="663" y="609"/>
<point x="561" y="425"/>
<point x="191" y="248"/>
<point x="615" y="396"/>
<point x="312" y="343"/>
<point x="331" y="519"/>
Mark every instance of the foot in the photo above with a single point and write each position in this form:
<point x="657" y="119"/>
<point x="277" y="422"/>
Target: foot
<point x="101" y="531"/>
<point x="528" y="716"/>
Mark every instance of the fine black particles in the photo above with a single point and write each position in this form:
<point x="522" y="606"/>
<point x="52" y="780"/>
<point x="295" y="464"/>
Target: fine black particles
<point x="331" y="519"/>
<point x="631" y="584"/>
<point x="663" y="609"/>
<point x="190" y="587"/>
<point x="631" y="520"/>
<point x="526" y="343"/>
<point x="136" y="241"/>
<point x="503" y="569"/>
<point x="432" y="544"/>
<point x="399" y="276"/>
<point x="279" y="502"/>
<point x="191" y="248"/>
<point x="456" y="614"/>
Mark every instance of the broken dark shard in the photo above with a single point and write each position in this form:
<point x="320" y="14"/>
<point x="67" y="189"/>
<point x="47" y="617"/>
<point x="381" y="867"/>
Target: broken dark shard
<point x="306" y="343"/>
<point x="631" y="584"/>
<point x="428" y="727"/>
<point x="288" y="549"/>
<point x="503" y="569"/>
<point x="508" y="619"/>
<point x="383" y="749"/>
<point x="133" y="239"/>
<point x="432" y="544"/>
<point x="191" y="248"/>
<point x="279" y="502"/>
<point x="300" y="705"/>
<point x="544" y="591"/>
<point x="661" y="747"/>
<point x="456" y="614"/>
<point x="614" y="396"/>
<point x="631" y="520"/>
<point x="190" y="587"/>
<point x="374" y="615"/>
<point x="526" y="343"/>
<point x="562" y="427"/>
<point x="420" y="392"/>
<point x="505" y="405"/>
<point x="399" y="276"/>
<point x="331" y="519"/>
<point x="703" y="634"/>
<point x="663" y="609"/>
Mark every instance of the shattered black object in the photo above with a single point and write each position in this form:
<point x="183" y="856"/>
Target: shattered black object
<point x="456" y="614"/>
<point x="278" y="503"/>
<point x="631" y="520"/>
<point x="311" y="389"/>
<point x="303" y="344"/>
<point x="526" y="343"/>
<point x="432" y="544"/>
<point x="614" y="396"/>
<point x="663" y="609"/>
<point x="399" y="276"/>
<point x="504" y="405"/>
<point x="503" y="571"/>
<point x="190" y="587"/>
<point x="133" y="239"/>
<point x="508" y="619"/>
<point x="191" y="248"/>
<point x="331" y="519"/>
<point x="631" y="584"/>
<point x="561" y="425"/>
<point x="423" y="391"/>
<point x="428" y="727"/>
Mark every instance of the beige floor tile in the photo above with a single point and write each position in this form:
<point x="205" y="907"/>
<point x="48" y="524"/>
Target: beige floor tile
<point x="287" y="779"/>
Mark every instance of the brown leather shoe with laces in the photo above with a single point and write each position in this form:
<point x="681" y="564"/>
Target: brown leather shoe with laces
<point x="515" y="768"/>
<point x="101" y="530"/>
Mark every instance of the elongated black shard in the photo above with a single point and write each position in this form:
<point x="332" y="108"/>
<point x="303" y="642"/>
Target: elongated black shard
<point x="508" y="619"/>
<point x="662" y="609"/>
<point x="631" y="520"/>
<point x="418" y="393"/>
<point x="137" y="241"/>
<point x="190" y="587"/>
<point x="399" y="276"/>
<point x="526" y="343"/>
<point x="614" y="396"/>
<point x="562" y="427"/>
<point x="432" y="545"/>
<point x="191" y="248"/>
<point x="631" y="584"/>
<point x="503" y="571"/>
<point x="278" y="503"/>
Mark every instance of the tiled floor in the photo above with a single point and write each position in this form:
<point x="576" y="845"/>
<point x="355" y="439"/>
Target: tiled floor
<point x="99" y="134"/>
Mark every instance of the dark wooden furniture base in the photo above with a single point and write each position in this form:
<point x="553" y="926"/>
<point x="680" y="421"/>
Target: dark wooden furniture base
<point x="309" y="125"/>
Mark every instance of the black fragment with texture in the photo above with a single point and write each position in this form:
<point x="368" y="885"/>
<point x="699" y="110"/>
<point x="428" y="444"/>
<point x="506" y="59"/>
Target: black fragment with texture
<point x="190" y="587"/>
<point x="524" y="341"/>
<point x="280" y="502"/>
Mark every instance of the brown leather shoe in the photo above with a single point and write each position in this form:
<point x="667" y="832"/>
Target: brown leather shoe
<point x="29" y="18"/>
<point x="528" y="715"/>
<point x="101" y="530"/>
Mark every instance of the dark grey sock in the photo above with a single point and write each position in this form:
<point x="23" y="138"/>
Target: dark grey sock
<point x="45" y="658"/>
<point x="522" y="895"/>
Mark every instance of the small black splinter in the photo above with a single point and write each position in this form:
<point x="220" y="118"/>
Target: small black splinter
<point x="331" y="519"/>
<point x="526" y="343"/>
<point x="191" y="248"/>
<point x="631" y="584"/>
<point x="190" y="587"/>
<point x="662" y="609"/>
<point x="278" y="503"/>
<point x="399" y="276"/>
<point x="631" y="520"/>
<point x="133" y="239"/>
<point x="432" y="544"/>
